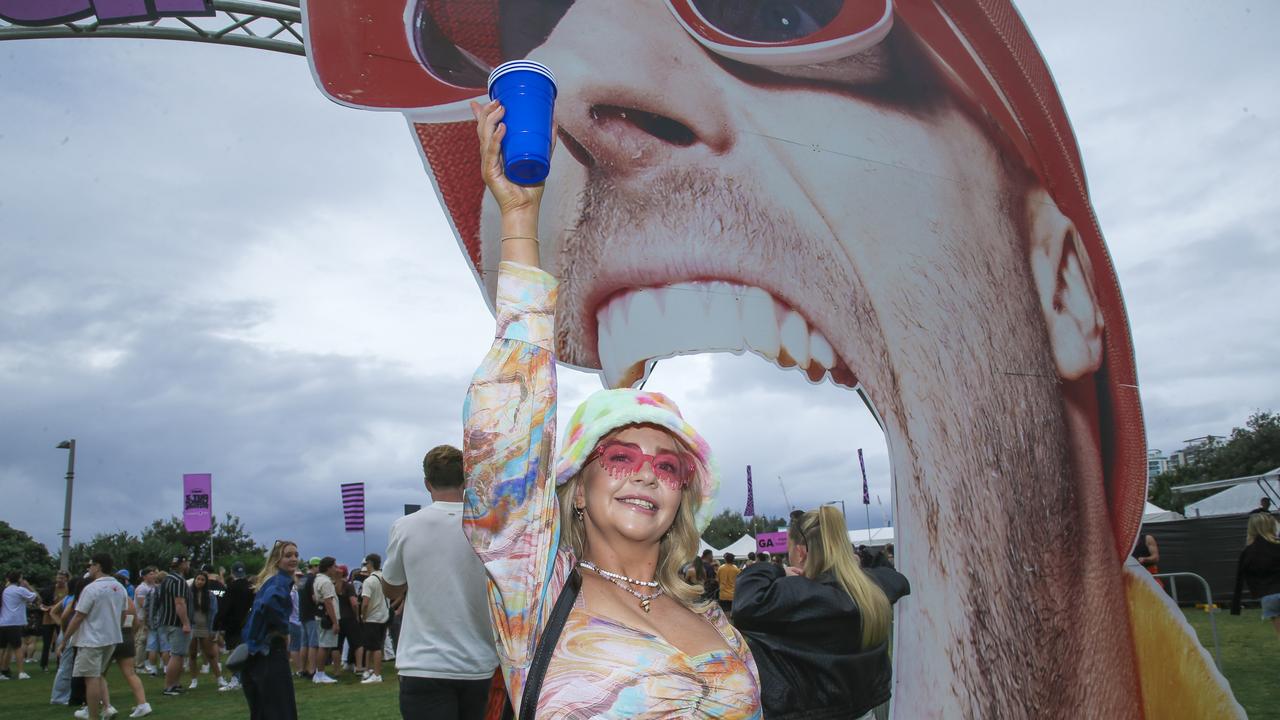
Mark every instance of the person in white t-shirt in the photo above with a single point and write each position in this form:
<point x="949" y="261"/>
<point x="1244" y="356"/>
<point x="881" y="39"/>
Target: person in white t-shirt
<point x="375" y="615"/>
<point x="446" y="656"/>
<point x="95" y="632"/>
<point x="325" y="595"/>
<point x="141" y="632"/>
<point x="13" y="618"/>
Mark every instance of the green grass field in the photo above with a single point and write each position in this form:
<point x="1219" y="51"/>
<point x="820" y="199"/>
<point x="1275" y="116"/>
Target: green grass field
<point x="29" y="699"/>
<point x="1250" y="654"/>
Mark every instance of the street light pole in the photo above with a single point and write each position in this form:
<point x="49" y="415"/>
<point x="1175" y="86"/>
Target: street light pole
<point x="65" y="560"/>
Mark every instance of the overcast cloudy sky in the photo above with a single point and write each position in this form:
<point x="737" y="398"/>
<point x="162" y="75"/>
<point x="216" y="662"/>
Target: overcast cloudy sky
<point x="205" y="266"/>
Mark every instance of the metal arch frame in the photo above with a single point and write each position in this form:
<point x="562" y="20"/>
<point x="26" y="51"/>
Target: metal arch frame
<point x="232" y="24"/>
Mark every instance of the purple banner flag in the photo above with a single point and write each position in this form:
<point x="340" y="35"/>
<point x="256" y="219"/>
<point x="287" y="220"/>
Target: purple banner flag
<point x="866" y="493"/>
<point x="197" y="502"/>
<point x="37" y="13"/>
<point x="353" y="506"/>
<point x="750" y="511"/>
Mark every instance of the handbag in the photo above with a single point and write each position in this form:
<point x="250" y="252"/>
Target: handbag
<point x="546" y="645"/>
<point x="237" y="658"/>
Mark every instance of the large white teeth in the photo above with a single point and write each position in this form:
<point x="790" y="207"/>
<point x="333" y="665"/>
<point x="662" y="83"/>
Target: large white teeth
<point x="794" y="333"/>
<point x="821" y="351"/>
<point x="640" y="503"/>
<point x="652" y="323"/>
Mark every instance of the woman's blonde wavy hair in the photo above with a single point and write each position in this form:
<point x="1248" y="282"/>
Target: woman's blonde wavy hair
<point x="823" y="533"/>
<point x="273" y="559"/>
<point x="1262" y="525"/>
<point x="678" y="545"/>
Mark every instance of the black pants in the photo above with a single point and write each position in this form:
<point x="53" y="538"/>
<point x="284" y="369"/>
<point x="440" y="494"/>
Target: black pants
<point x="436" y="699"/>
<point x="349" y="631"/>
<point x="46" y="644"/>
<point x="268" y="685"/>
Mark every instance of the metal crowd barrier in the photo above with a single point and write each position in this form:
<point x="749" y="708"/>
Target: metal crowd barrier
<point x="1208" y="606"/>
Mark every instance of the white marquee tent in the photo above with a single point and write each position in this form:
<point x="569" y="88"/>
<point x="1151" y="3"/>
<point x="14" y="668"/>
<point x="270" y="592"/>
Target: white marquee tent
<point x="1153" y="513"/>
<point x="1239" y="499"/>
<point x="740" y="547"/>
<point x="871" y="537"/>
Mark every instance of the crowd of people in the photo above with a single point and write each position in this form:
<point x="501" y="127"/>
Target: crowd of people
<point x="574" y="588"/>
<point x="177" y="622"/>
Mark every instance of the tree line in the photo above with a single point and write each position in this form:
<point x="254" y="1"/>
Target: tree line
<point x="156" y="544"/>
<point x="1251" y="450"/>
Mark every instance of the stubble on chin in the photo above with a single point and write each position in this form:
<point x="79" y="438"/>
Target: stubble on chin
<point x="689" y="223"/>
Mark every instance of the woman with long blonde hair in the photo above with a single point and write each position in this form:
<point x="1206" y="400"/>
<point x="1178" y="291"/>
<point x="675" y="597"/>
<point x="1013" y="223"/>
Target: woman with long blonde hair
<point x="819" y="629"/>
<point x="266" y="677"/>
<point x="610" y="520"/>
<point x="1259" y="568"/>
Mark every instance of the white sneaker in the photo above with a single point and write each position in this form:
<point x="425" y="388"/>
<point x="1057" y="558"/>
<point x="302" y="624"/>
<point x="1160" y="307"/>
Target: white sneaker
<point x="23" y="676"/>
<point x="141" y="711"/>
<point x="371" y="680"/>
<point x="222" y="682"/>
<point x="365" y="673"/>
<point x="193" y="684"/>
<point x="110" y="712"/>
<point x="322" y="679"/>
<point x="233" y="685"/>
<point x="82" y="713"/>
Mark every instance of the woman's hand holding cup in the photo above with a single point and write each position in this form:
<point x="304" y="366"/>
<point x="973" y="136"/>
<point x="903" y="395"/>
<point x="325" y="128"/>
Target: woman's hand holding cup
<point x="519" y="205"/>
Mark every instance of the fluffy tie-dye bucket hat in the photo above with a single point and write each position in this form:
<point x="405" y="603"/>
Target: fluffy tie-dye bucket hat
<point x="608" y="410"/>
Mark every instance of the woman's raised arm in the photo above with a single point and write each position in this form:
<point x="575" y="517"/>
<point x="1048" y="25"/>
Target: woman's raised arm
<point x="509" y="416"/>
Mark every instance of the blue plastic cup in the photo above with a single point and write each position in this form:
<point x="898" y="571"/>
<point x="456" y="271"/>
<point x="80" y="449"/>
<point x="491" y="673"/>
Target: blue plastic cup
<point x="528" y="91"/>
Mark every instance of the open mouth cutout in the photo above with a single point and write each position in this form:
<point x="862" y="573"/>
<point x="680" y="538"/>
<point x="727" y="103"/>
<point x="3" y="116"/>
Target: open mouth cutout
<point x="639" y="325"/>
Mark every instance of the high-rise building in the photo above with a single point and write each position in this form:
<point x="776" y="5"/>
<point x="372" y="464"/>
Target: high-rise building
<point x="1156" y="463"/>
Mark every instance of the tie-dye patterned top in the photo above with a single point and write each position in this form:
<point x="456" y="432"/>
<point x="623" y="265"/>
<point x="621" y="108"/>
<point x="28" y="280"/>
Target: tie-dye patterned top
<point x="601" y="668"/>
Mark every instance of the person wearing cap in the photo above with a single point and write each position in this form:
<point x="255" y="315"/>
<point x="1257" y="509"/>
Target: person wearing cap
<point x="325" y="595"/>
<point x="233" y="610"/>
<point x="170" y="611"/>
<point x="309" y="614"/>
<point x="617" y="513"/>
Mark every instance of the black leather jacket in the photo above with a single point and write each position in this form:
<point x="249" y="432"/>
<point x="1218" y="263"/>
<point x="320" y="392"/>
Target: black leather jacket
<point x="806" y="636"/>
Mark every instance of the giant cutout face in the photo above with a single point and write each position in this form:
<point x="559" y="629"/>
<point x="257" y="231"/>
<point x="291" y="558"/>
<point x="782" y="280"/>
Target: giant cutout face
<point x="887" y="196"/>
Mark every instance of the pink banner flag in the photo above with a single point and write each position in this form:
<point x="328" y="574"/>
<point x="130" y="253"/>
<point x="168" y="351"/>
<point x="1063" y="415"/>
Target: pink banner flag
<point x="197" y="502"/>
<point x="774" y="543"/>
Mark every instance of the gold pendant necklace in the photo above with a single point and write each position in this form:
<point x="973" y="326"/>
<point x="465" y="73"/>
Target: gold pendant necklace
<point x="644" y="599"/>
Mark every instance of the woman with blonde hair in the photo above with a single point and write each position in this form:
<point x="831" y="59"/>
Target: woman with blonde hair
<point x="266" y="677"/>
<point x="1259" y="568"/>
<point x="820" y="628"/>
<point x="610" y="521"/>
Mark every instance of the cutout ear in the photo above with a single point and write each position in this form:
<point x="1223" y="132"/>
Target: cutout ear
<point x="1064" y="281"/>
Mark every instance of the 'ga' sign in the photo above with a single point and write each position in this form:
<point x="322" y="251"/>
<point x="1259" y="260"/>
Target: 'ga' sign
<point x="108" y="12"/>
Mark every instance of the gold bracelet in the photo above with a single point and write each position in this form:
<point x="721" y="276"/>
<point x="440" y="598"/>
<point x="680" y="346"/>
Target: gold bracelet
<point x="519" y="237"/>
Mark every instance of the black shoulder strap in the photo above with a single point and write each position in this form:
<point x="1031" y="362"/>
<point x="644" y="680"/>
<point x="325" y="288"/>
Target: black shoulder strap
<point x="547" y="645"/>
